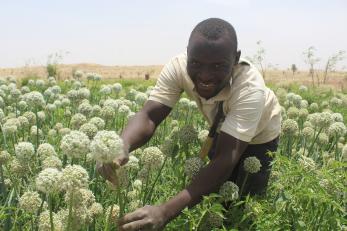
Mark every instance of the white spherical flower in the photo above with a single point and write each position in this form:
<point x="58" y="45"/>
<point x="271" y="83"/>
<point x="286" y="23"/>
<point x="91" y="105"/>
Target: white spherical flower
<point x="18" y="168"/>
<point x="83" y="93"/>
<point x="51" y="107"/>
<point x="323" y="139"/>
<point x="325" y="119"/>
<point x="188" y="134"/>
<point x="113" y="211"/>
<point x="22" y="105"/>
<point x="64" y="131"/>
<point x="65" y="102"/>
<point x="152" y="158"/>
<point x="107" y="112"/>
<point x="78" y="74"/>
<point x="96" y="209"/>
<point x="252" y="164"/>
<point x="334" y="101"/>
<point x="34" y="99"/>
<point x="24" y="122"/>
<point x="314" y="107"/>
<point x="202" y="136"/>
<point x="30" y="202"/>
<point x="193" y="105"/>
<point x="132" y="164"/>
<point x="184" y="103"/>
<point x="24" y="151"/>
<point x="117" y="87"/>
<point x="112" y="103"/>
<point x="44" y="223"/>
<point x="80" y="197"/>
<point x="141" y="98"/>
<point x="31" y="117"/>
<point x="106" y="90"/>
<point x="134" y="204"/>
<point x="85" y="108"/>
<point x="25" y="89"/>
<point x="96" y="110"/>
<point x="4" y="157"/>
<point x="132" y="195"/>
<point x="229" y="191"/>
<point x="52" y="162"/>
<point x="106" y="146"/>
<point x="74" y="177"/>
<point x="98" y="122"/>
<point x="11" y="126"/>
<point x="289" y="127"/>
<point x="137" y="184"/>
<point x="337" y="129"/>
<point x="308" y="132"/>
<point x="307" y="162"/>
<point x="307" y="124"/>
<point x="337" y="117"/>
<point x="124" y="110"/>
<point x="40" y="83"/>
<point x="49" y="180"/>
<point x="77" y="120"/>
<point x="293" y="112"/>
<point x="303" y="113"/>
<point x="303" y="104"/>
<point x="75" y="144"/>
<point x="303" y="88"/>
<point x="192" y="167"/>
<point x="89" y="129"/>
<point x="41" y="116"/>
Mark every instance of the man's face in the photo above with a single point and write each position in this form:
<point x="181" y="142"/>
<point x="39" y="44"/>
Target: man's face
<point x="210" y="64"/>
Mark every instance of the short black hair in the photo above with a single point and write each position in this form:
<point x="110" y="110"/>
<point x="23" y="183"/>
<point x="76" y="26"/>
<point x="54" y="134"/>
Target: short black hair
<point x="214" y="28"/>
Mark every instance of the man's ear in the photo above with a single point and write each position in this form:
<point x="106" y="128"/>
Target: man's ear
<point x="237" y="57"/>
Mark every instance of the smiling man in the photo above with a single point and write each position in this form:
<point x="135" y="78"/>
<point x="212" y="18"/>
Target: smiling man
<point x="211" y="73"/>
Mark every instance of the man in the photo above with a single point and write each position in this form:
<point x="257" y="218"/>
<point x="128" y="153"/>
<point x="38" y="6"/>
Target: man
<point x="210" y="72"/>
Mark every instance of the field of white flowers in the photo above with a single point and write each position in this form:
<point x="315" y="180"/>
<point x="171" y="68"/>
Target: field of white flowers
<point x="52" y="134"/>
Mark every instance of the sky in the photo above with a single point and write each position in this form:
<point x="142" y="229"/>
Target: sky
<point x="135" y="32"/>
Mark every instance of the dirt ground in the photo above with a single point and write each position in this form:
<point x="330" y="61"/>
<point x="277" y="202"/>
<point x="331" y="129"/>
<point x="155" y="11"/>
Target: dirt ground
<point x="336" y="80"/>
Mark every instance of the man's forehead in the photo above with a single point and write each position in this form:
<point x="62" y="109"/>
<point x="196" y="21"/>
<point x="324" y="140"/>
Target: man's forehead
<point x="199" y="45"/>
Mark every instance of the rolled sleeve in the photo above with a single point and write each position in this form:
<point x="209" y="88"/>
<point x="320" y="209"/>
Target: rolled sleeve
<point x="244" y="114"/>
<point x="167" y="89"/>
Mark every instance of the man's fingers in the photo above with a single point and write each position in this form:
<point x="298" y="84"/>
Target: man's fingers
<point x="131" y="217"/>
<point x="108" y="173"/>
<point x="135" y="225"/>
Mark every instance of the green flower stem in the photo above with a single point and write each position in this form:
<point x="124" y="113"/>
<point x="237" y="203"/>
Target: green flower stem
<point x="243" y="184"/>
<point x="155" y="181"/>
<point x="70" y="211"/>
<point x="50" y="204"/>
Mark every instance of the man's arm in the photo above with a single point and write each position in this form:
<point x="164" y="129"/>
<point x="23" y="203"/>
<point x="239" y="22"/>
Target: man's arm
<point x="142" y="126"/>
<point x="210" y="178"/>
<point x="138" y="131"/>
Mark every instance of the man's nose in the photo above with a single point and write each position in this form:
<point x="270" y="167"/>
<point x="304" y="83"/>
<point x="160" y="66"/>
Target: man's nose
<point x="205" y="74"/>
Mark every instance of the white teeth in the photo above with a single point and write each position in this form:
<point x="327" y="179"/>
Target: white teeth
<point x="206" y="85"/>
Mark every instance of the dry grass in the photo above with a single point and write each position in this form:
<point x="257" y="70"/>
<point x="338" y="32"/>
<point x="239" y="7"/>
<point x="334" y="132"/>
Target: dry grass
<point x="336" y="80"/>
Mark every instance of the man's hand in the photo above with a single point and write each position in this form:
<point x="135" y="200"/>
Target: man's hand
<point x="145" y="218"/>
<point x="108" y="171"/>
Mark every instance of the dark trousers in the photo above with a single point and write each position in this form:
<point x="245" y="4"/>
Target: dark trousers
<point x="256" y="183"/>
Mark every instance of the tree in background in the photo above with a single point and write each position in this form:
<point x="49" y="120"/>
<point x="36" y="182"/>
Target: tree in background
<point x="52" y="63"/>
<point x="259" y="58"/>
<point x="294" y="69"/>
<point x="331" y="64"/>
<point x="311" y="60"/>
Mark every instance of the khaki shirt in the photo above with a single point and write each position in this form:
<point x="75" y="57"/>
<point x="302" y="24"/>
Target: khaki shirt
<point x="252" y="112"/>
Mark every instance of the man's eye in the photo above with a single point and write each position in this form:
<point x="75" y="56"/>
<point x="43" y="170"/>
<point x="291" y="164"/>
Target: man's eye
<point x="219" y="66"/>
<point x="194" y="64"/>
